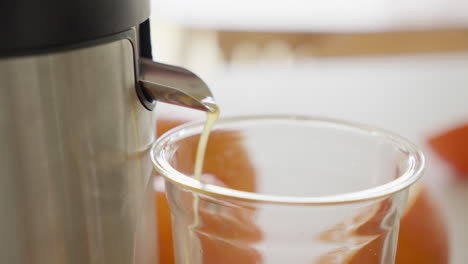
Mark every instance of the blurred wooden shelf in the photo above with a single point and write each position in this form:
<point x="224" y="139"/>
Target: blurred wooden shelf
<point x="349" y="44"/>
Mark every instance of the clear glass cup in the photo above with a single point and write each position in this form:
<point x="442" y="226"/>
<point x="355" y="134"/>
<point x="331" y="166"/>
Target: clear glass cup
<point x="287" y="189"/>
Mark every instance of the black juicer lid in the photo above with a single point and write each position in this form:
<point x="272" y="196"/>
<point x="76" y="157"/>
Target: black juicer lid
<point x="28" y="26"/>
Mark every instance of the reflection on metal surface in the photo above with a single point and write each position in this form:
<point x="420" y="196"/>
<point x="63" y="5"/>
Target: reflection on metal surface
<point x="175" y="85"/>
<point x="74" y="162"/>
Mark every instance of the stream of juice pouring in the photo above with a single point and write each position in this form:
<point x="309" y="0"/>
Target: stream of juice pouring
<point x="211" y="117"/>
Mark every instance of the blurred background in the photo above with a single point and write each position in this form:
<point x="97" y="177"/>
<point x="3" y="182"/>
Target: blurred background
<point x="398" y="65"/>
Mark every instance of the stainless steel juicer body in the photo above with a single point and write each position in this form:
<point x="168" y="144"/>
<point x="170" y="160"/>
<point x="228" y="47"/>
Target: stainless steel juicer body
<point x="74" y="163"/>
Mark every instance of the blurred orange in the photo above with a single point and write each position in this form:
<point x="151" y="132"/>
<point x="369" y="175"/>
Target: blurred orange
<point x="422" y="237"/>
<point x="423" y="233"/>
<point x="164" y="229"/>
<point x="452" y="146"/>
<point x="231" y="248"/>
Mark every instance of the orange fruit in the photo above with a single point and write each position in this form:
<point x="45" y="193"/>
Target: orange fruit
<point x="225" y="231"/>
<point x="452" y="146"/>
<point x="164" y="229"/>
<point x="423" y="233"/>
<point x="365" y="223"/>
<point x="422" y="236"/>
<point x="234" y="224"/>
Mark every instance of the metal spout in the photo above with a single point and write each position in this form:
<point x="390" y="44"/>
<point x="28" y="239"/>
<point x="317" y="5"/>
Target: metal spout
<point x="174" y="85"/>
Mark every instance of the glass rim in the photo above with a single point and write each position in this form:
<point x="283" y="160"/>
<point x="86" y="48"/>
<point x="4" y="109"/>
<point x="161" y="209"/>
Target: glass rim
<point x="407" y="178"/>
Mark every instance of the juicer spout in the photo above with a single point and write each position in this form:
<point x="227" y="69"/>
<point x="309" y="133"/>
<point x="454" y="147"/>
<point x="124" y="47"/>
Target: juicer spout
<point x="174" y="85"/>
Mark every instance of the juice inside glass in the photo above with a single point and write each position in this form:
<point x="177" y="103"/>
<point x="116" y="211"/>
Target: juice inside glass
<point x="284" y="189"/>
